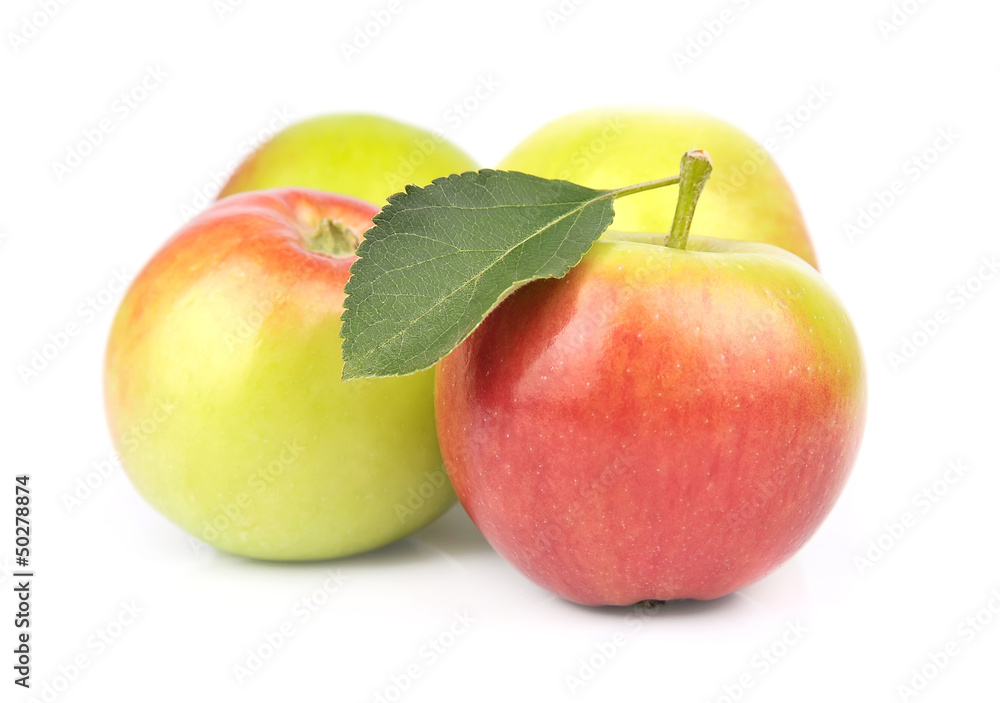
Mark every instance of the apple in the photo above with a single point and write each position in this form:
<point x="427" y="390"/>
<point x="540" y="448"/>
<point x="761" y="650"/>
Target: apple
<point x="365" y="156"/>
<point x="664" y="422"/>
<point x="224" y="395"/>
<point x="746" y="199"/>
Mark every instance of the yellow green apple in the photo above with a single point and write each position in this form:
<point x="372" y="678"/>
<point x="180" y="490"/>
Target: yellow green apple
<point x="224" y="395"/>
<point x="747" y="198"/>
<point x="361" y="155"/>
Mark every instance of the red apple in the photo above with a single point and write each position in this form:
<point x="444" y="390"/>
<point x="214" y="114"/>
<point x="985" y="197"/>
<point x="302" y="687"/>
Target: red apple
<point x="661" y="423"/>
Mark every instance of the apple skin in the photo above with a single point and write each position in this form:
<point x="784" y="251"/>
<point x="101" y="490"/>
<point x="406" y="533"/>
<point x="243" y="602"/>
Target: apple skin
<point x="746" y="199"/>
<point x="224" y="395"/>
<point x="365" y="156"/>
<point x="659" y="424"/>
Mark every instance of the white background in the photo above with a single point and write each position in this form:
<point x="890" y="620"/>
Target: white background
<point x="865" y="629"/>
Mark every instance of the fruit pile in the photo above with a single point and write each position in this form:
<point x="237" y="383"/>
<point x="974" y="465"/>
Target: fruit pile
<point x="666" y="408"/>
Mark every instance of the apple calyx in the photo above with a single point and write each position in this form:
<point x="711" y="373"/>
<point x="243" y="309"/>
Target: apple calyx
<point x="696" y="167"/>
<point x="333" y="238"/>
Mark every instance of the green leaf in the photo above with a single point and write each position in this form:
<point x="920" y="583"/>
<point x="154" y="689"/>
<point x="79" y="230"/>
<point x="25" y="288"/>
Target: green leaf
<point x="440" y="258"/>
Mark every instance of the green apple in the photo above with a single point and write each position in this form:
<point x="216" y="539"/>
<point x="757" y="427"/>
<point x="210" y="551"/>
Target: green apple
<point x="224" y="394"/>
<point x="365" y="156"/>
<point x="747" y="199"/>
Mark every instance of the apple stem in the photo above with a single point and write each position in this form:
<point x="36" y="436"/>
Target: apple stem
<point x="333" y="238"/>
<point x="696" y="166"/>
<point x="640" y="187"/>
